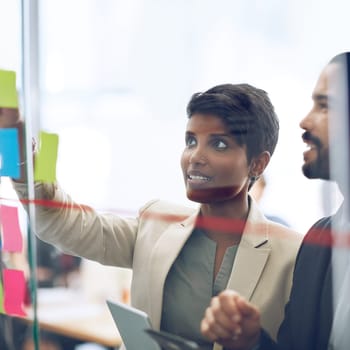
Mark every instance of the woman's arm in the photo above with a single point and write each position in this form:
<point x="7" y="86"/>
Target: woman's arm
<point x="73" y="228"/>
<point x="78" y="229"/>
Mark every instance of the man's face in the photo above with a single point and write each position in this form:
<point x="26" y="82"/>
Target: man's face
<point x="315" y="124"/>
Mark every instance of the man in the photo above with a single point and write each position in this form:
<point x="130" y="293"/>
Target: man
<point x="318" y="313"/>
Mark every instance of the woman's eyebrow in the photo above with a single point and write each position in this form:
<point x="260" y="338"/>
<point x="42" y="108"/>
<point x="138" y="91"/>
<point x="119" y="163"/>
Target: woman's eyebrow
<point x="220" y="134"/>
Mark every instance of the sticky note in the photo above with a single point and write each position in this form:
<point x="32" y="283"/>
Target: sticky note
<point x="9" y="153"/>
<point x="12" y="237"/>
<point x="14" y="292"/>
<point x="8" y="92"/>
<point x="2" y="310"/>
<point x="46" y="158"/>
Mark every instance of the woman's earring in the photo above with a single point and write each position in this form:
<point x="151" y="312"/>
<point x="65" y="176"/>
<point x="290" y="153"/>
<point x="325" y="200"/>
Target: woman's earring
<point x="253" y="178"/>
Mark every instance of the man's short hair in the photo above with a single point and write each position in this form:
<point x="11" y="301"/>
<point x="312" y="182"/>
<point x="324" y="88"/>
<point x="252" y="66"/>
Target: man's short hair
<point x="246" y="111"/>
<point x="343" y="59"/>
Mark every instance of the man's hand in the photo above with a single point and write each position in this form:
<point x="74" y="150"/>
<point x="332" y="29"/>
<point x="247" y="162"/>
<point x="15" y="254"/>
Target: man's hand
<point x="232" y="321"/>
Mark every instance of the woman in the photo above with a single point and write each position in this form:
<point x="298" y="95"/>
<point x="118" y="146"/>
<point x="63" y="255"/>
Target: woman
<point x="182" y="257"/>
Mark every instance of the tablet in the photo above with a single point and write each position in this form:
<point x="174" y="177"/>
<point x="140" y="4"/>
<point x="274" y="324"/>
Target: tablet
<point x="131" y="324"/>
<point x="169" y="341"/>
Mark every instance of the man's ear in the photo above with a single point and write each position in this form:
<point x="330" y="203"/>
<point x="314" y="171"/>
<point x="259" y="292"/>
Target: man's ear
<point x="259" y="163"/>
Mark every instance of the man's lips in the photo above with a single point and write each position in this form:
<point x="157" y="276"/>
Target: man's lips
<point x="313" y="143"/>
<point x="308" y="153"/>
<point x="310" y="146"/>
<point x="311" y="140"/>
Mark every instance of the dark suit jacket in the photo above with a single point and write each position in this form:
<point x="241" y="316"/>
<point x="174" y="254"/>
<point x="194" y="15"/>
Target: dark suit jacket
<point x="308" y="314"/>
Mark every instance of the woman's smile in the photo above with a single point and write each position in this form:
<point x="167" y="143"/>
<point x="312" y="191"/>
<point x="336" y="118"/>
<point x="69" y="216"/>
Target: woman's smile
<point x="197" y="179"/>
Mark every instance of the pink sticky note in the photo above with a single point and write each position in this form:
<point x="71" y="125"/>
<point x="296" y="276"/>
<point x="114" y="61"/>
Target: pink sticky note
<point x="12" y="237"/>
<point x="14" y="292"/>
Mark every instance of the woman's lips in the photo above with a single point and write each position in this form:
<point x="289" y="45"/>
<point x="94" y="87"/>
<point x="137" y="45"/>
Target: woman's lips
<point x="198" y="179"/>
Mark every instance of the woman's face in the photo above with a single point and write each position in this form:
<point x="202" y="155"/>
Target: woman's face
<point x="215" y="167"/>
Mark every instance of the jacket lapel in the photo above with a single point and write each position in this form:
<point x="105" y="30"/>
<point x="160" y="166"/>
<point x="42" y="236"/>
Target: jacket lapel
<point x="162" y="257"/>
<point x="252" y="254"/>
<point x="245" y="272"/>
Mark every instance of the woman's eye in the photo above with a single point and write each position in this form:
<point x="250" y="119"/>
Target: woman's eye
<point x="190" y="141"/>
<point x="221" y="145"/>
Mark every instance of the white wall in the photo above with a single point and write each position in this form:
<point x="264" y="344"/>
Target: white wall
<point x="117" y="75"/>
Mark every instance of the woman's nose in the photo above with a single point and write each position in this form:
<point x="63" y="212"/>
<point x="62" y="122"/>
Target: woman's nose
<point x="198" y="156"/>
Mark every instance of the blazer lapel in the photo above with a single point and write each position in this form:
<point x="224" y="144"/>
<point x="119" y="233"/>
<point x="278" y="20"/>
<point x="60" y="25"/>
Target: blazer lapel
<point x="252" y="254"/>
<point x="250" y="260"/>
<point x="162" y="257"/>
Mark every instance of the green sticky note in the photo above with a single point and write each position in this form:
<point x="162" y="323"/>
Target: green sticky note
<point x="1" y="299"/>
<point x="46" y="158"/>
<point x="8" y="92"/>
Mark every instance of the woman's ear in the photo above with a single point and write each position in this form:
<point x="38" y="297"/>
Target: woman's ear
<point x="259" y="163"/>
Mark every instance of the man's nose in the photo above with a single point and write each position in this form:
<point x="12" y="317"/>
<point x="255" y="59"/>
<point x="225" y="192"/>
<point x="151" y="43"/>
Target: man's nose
<point x="306" y="122"/>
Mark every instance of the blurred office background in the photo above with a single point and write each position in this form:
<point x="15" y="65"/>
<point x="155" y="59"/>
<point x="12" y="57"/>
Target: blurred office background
<point x="115" y="78"/>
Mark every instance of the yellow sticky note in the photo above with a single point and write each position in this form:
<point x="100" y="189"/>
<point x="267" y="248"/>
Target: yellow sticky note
<point x="2" y="311"/>
<point x="46" y="158"/>
<point x="8" y="92"/>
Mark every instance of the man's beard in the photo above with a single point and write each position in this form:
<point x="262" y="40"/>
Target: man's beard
<point x="318" y="169"/>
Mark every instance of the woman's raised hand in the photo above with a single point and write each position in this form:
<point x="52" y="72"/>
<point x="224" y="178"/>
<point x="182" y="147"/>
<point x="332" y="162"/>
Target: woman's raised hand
<point x="9" y="117"/>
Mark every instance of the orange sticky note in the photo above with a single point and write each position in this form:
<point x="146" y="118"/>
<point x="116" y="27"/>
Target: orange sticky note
<point x="14" y="292"/>
<point x="46" y="158"/>
<point x="12" y="237"/>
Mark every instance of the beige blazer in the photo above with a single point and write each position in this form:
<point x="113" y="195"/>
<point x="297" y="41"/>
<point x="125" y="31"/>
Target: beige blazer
<point x="149" y="244"/>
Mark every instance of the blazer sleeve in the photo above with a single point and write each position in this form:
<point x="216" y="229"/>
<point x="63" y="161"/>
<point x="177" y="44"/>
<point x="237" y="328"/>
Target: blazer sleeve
<point x="80" y="230"/>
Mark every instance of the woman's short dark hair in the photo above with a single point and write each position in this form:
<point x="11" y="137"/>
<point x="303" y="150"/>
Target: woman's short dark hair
<point x="245" y="110"/>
